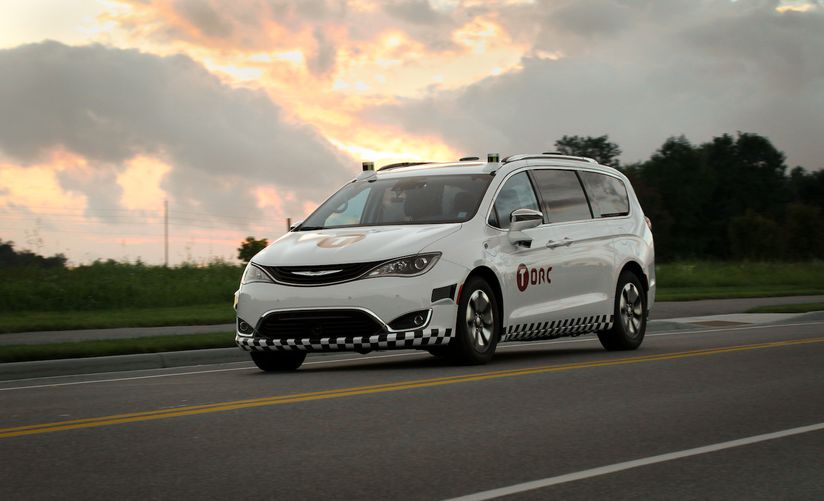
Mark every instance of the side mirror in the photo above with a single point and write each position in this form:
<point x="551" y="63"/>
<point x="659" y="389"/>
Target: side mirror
<point x="523" y="219"/>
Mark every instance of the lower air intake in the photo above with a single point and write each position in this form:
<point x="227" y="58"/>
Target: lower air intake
<point x="318" y="324"/>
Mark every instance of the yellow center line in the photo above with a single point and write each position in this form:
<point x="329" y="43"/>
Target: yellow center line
<point x="379" y="388"/>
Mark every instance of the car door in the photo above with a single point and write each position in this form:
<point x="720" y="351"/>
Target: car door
<point x="529" y="272"/>
<point x="515" y="261"/>
<point x="579" y="253"/>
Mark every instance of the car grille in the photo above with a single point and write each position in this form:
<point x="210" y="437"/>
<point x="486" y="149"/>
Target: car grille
<point x="318" y="324"/>
<point x="319" y="275"/>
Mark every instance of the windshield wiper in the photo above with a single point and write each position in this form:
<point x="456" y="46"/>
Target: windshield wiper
<point x="309" y="228"/>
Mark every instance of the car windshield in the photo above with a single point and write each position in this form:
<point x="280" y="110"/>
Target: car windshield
<point x="406" y="200"/>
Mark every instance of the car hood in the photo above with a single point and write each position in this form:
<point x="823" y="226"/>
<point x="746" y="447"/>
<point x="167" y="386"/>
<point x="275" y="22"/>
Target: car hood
<point x="351" y="245"/>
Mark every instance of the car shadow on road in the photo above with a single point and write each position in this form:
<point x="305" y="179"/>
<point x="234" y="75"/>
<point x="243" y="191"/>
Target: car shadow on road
<point x="501" y="361"/>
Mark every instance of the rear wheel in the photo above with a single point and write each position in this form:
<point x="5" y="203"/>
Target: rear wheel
<point x="278" y="361"/>
<point x="630" y="315"/>
<point x="478" y="326"/>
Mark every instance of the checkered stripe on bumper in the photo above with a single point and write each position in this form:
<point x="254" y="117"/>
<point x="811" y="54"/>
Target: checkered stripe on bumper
<point x="387" y="341"/>
<point x="558" y="328"/>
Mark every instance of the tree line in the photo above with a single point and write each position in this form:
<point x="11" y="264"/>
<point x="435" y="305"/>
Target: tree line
<point x="11" y="258"/>
<point x="729" y="198"/>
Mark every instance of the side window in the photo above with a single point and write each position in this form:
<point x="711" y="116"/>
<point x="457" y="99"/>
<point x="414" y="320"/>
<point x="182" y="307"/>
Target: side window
<point x="562" y="195"/>
<point x="516" y="193"/>
<point x="349" y="213"/>
<point x="607" y="194"/>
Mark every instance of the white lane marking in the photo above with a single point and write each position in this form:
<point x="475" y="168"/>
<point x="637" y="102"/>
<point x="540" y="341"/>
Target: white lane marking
<point x="626" y="465"/>
<point x="370" y="357"/>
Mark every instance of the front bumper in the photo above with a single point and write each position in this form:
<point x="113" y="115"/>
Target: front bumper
<point x="384" y="341"/>
<point x="385" y="299"/>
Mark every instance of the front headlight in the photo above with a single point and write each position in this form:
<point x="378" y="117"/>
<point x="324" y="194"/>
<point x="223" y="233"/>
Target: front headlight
<point x="409" y="266"/>
<point x="254" y="274"/>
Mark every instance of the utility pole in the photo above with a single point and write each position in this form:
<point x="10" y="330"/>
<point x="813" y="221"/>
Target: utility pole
<point x="288" y="223"/>
<point x="166" y="233"/>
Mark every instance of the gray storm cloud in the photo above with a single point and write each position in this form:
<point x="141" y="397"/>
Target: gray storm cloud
<point x="641" y="73"/>
<point x="109" y="105"/>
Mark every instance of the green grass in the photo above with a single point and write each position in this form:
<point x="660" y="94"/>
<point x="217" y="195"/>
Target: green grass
<point x="788" y="308"/>
<point x="113" y="285"/>
<point x="696" y="293"/>
<point x="83" y="349"/>
<point x="717" y="280"/>
<point x="25" y="321"/>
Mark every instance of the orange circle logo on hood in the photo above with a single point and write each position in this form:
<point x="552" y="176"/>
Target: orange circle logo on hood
<point x="340" y="240"/>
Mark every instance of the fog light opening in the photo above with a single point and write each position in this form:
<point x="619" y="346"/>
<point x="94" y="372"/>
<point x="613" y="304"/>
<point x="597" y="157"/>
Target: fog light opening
<point x="244" y="328"/>
<point x="410" y="321"/>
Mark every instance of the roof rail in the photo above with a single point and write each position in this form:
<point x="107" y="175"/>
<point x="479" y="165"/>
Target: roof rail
<point x="558" y="156"/>
<point x="402" y="164"/>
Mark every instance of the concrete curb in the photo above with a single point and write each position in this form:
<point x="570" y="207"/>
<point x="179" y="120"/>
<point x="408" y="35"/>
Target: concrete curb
<point x="69" y="366"/>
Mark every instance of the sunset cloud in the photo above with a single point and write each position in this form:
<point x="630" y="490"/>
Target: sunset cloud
<point x="714" y="67"/>
<point x="110" y="106"/>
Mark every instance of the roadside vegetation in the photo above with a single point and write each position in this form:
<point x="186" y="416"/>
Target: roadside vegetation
<point x="789" y="308"/>
<point x="116" y="285"/>
<point x="101" y="348"/>
<point x="28" y="321"/>
<point x="692" y="280"/>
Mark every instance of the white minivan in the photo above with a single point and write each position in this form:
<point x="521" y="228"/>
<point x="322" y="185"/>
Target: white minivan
<point x="454" y="258"/>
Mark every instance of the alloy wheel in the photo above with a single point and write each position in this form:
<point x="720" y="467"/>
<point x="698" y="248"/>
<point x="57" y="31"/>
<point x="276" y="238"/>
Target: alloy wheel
<point x="631" y="307"/>
<point x="480" y="319"/>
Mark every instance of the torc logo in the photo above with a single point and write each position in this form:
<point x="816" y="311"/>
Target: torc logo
<point x="525" y="276"/>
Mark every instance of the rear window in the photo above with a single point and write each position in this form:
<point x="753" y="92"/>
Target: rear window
<point x="562" y="195"/>
<point x="607" y="194"/>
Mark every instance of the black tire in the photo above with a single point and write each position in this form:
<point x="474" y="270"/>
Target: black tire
<point x="278" y="361"/>
<point x="630" y="315"/>
<point x="476" y="338"/>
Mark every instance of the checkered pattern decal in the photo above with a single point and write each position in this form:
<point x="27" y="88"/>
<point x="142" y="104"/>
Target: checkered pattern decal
<point x="397" y="340"/>
<point x="558" y="328"/>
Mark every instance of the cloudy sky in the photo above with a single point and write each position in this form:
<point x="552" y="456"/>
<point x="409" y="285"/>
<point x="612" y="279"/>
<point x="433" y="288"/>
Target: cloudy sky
<point x="243" y="113"/>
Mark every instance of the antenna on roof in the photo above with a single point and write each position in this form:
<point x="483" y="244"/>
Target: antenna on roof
<point x="368" y="166"/>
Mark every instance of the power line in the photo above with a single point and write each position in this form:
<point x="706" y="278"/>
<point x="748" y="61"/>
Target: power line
<point x="119" y="217"/>
<point x="87" y="212"/>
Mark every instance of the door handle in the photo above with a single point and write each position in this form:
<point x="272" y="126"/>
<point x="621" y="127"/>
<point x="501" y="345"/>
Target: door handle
<point x="552" y="244"/>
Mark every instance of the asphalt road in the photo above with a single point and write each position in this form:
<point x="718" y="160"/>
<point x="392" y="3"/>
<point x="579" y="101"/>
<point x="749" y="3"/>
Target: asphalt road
<point x="406" y="426"/>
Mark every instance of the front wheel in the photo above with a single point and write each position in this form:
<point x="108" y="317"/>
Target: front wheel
<point x="278" y="361"/>
<point x="478" y="326"/>
<point x="630" y="315"/>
